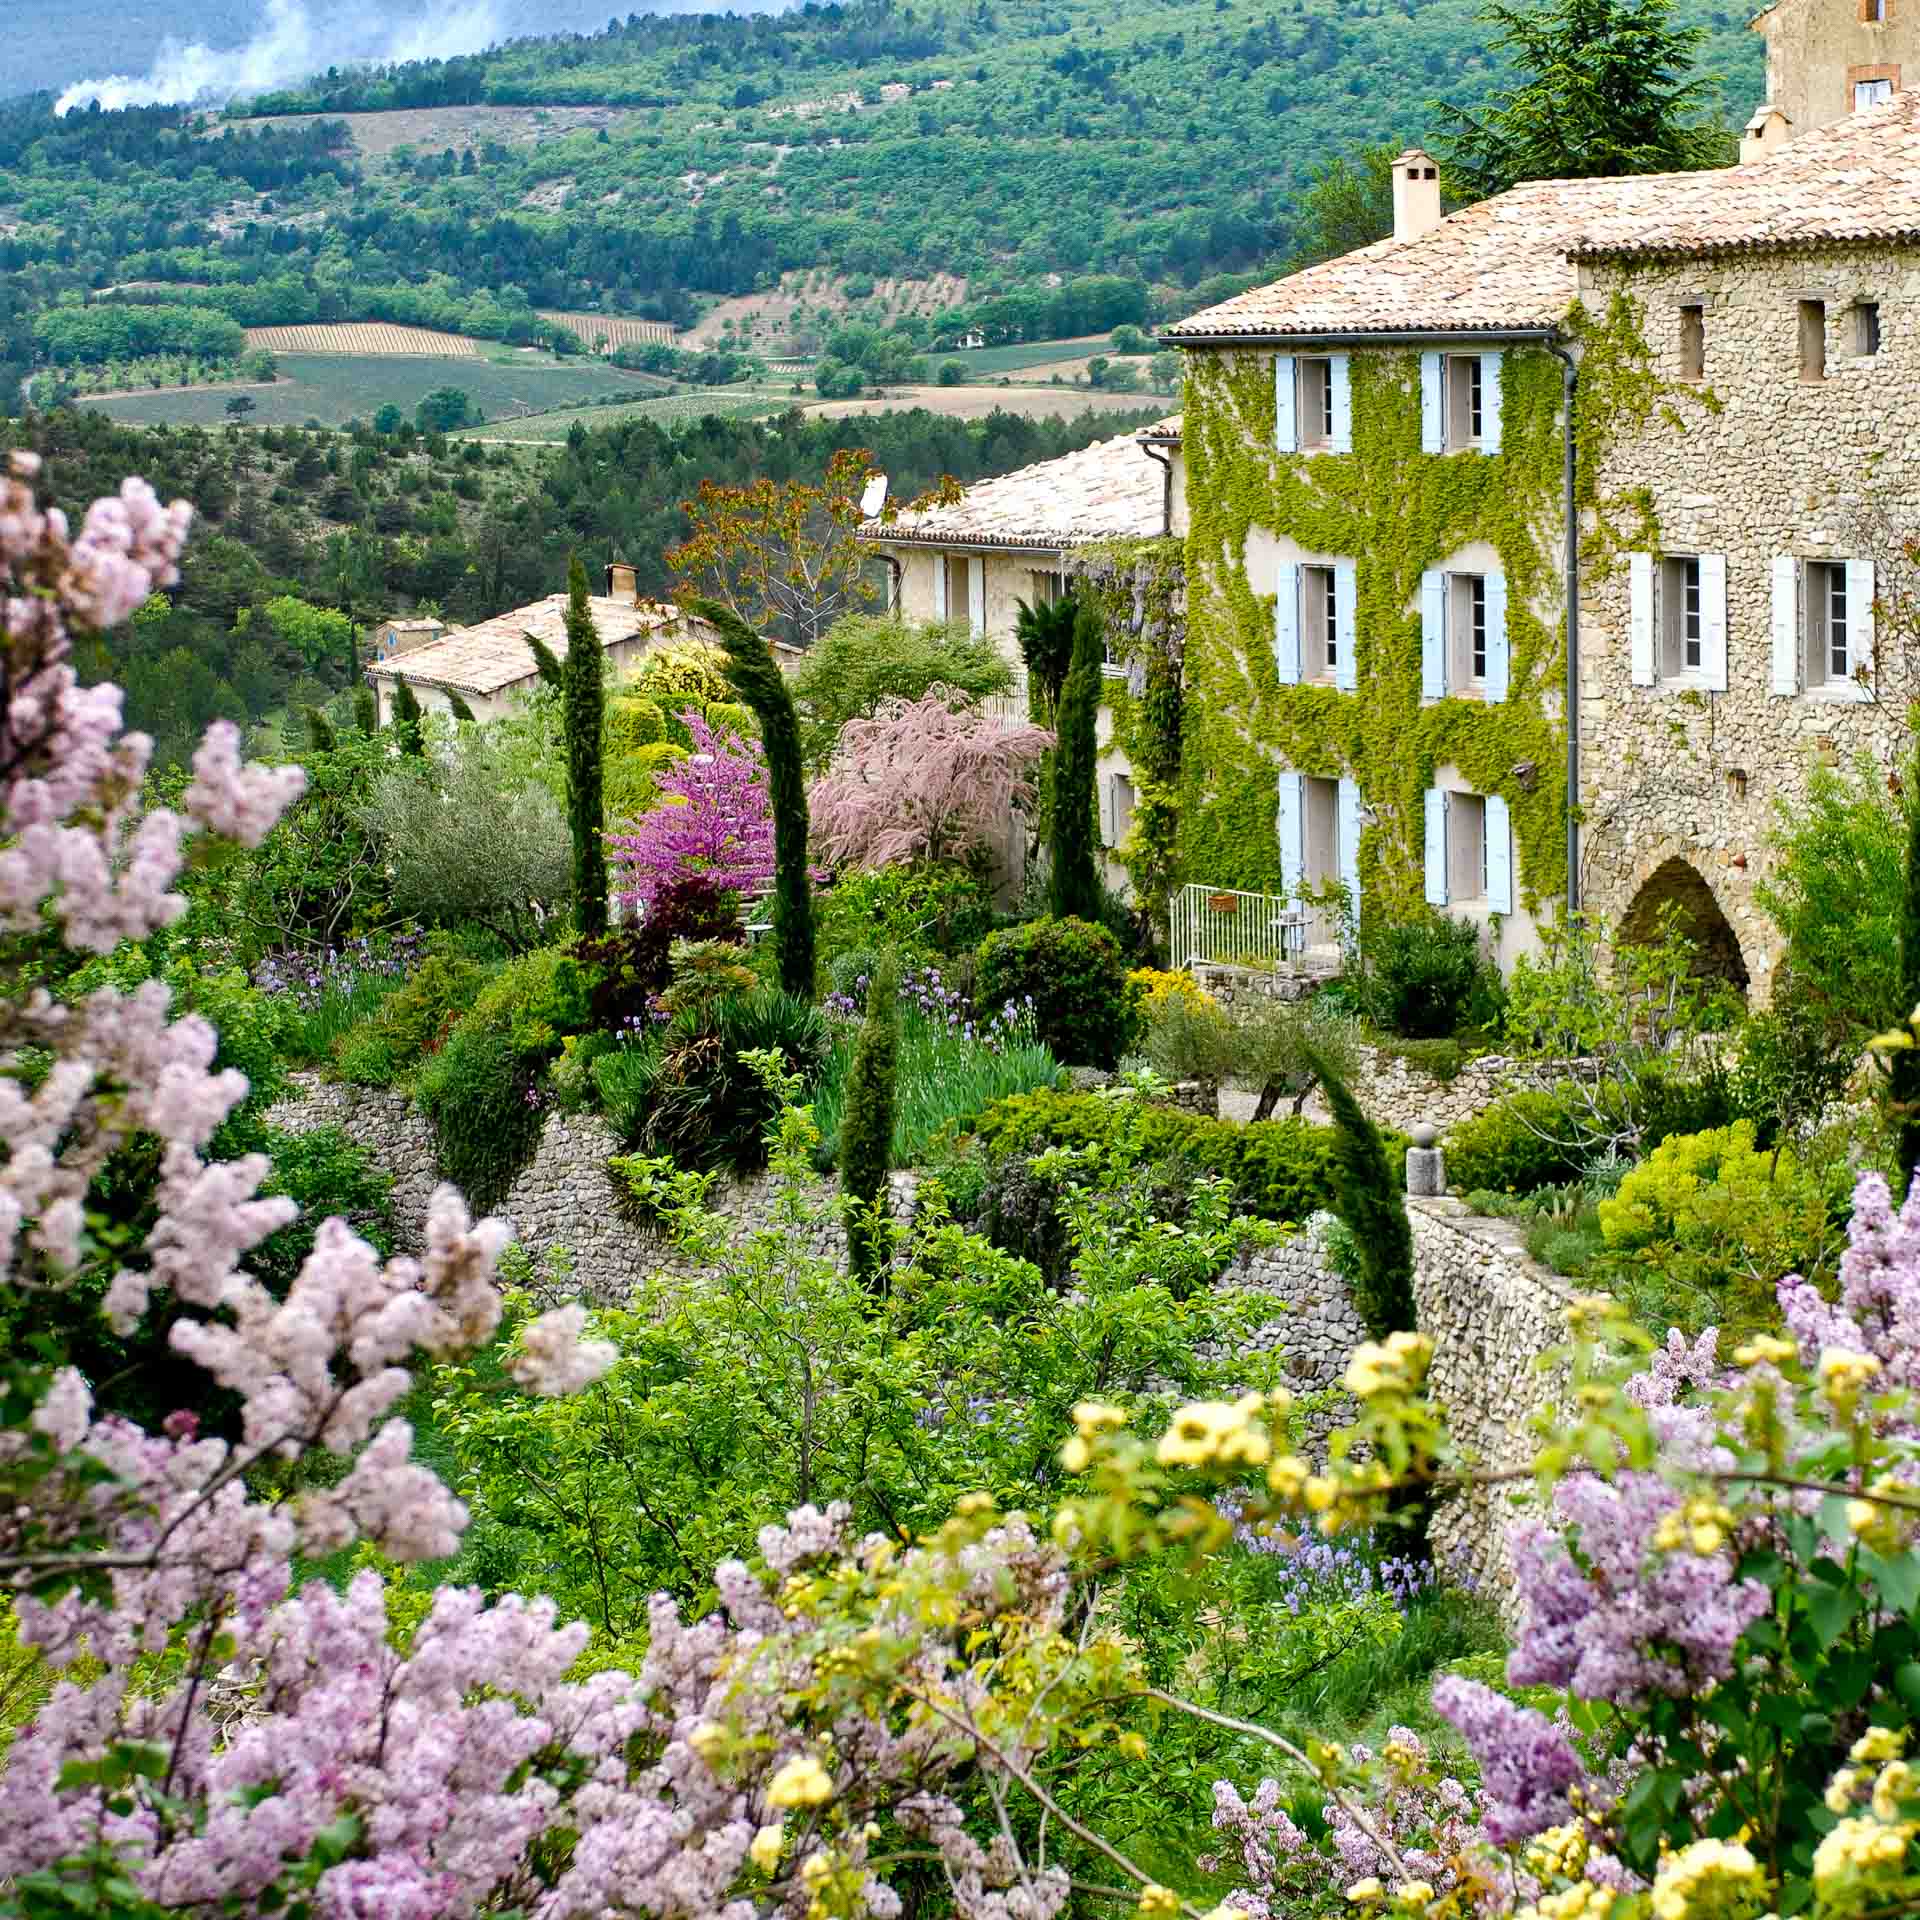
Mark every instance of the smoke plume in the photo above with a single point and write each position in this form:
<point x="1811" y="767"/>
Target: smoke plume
<point x="294" y="41"/>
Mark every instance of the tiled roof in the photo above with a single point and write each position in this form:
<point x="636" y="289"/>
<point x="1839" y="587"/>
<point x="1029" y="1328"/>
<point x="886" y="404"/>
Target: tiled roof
<point x="1509" y="263"/>
<point x="1110" y="491"/>
<point x="494" y="654"/>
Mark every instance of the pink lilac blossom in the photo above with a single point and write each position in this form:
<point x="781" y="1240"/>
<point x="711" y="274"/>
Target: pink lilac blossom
<point x="714" y="818"/>
<point x="1878" y="1310"/>
<point x="1528" y="1766"/>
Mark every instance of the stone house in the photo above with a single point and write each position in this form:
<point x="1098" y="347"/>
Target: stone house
<point x="1723" y="370"/>
<point x="490" y="664"/>
<point x="1827" y="59"/>
<point x="1009" y="540"/>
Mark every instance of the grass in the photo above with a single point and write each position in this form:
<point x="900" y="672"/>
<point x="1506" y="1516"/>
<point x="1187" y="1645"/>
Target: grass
<point x="312" y="1033"/>
<point x="944" y="1080"/>
<point x="991" y="362"/>
<point x="665" y="409"/>
<point x="334" y="388"/>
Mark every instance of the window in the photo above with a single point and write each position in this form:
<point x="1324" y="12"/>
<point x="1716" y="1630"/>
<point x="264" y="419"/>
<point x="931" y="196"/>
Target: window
<point x="1322" y="837"/>
<point x="1048" y="588"/>
<point x="1319" y="623"/>
<point x="1693" y="342"/>
<point x="1873" y="13"/>
<point x="1119" y="821"/>
<point x="1813" y="338"/>
<point x="1466" y="401"/>
<point x="1871" y="93"/>
<point x="1682" y="617"/>
<point x="1466" y="847"/>
<point x="1830" y="650"/>
<point x="1467" y="631"/>
<point x="1316" y="403"/>
<point x="1866" y="326"/>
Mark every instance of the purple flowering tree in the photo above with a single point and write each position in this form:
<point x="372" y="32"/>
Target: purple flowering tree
<point x="714" y="819"/>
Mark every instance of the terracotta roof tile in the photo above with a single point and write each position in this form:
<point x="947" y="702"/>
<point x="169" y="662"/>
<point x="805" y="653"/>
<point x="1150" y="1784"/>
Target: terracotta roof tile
<point x="1510" y="262"/>
<point x="1112" y="490"/>
<point x="494" y="655"/>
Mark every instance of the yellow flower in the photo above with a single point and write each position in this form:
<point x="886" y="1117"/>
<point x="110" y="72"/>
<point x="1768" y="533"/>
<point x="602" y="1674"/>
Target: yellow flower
<point x="1860" y="1847"/>
<point x="1364" y="1890"/>
<point x="1709" y="1876"/>
<point x="1415" y="1895"/>
<point x="971" y="1503"/>
<point x="765" y="1851"/>
<point x="802" y="1782"/>
<point x="1369" y="1370"/>
<point x="1158" y="1899"/>
<point x="1213" y="1430"/>
<point x="707" y="1740"/>
<point x="1844" y="1374"/>
<point x="1765" y="1349"/>
<point x="1225" y="1913"/>
<point x="1095" y="1416"/>
<point x="1076" y="1455"/>
<point x="1897" y="1782"/>
<point x="1287" y="1476"/>
<point x="1878" y="1744"/>
<point x="816" y="1868"/>
<point x="1839" y="1793"/>
<point x="1065" y="1527"/>
<point x="1320" y="1493"/>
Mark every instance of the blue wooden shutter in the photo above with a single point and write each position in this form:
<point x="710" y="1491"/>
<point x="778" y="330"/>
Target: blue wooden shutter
<point x="1286" y="426"/>
<point x="1713" y="619"/>
<point x="1433" y="413"/>
<point x="1293" y="832"/>
<point x="1436" y="847"/>
<point x="1499" y="856"/>
<point x="1346" y="673"/>
<point x="1640" y="618"/>
<point x="1286" y="624"/>
<point x="1499" y="652"/>
<point x="1786" y="623"/>
<point x="1433" y="634"/>
<point x="1350" y="844"/>
<point x="939" y="586"/>
<point x="1339" y="372"/>
<point x="1490" y="402"/>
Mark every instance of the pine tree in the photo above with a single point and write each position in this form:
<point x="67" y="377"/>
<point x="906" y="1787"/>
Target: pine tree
<point x="866" y="1130"/>
<point x="409" y="736"/>
<point x="366" y="710"/>
<point x="1904" y="1084"/>
<point x="756" y="677"/>
<point x="583" y="689"/>
<point x="1368" y="1201"/>
<point x="1073" y="886"/>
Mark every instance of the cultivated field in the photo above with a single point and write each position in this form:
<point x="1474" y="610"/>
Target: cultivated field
<point x="618" y="332"/>
<point x="994" y="361"/>
<point x="436" y="129"/>
<point x="364" y="336"/>
<point x="975" y="403"/>
<point x="669" y="410"/>
<point x="334" y="388"/>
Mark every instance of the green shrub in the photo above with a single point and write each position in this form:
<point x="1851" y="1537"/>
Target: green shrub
<point x="1280" y="1169"/>
<point x="1084" y="1007"/>
<point x="912" y="912"/>
<point x="706" y="1106"/>
<point x="867" y="1128"/>
<point x="410" y="1022"/>
<point x="1424" y="979"/>
<point x="624" y="1082"/>
<point x="325" y="1172"/>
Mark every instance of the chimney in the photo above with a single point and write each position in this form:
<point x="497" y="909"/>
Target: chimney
<point x="1767" y="132"/>
<point x="1416" y="194"/>
<point x="623" y="583"/>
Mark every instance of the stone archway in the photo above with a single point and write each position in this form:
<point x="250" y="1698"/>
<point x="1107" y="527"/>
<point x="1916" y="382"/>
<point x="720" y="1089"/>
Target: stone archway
<point x="1677" y="884"/>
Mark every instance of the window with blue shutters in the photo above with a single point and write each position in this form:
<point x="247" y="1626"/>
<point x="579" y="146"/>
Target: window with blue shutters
<point x="1460" y="402"/>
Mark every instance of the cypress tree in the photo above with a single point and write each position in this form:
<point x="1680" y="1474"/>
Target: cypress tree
<point x="1073" y="886"/>
<point x="459" y="708"/>
<point x="755" y="676"/>
<point x="1046" y="635"/>
<point x="583" y="690"/>
<point x="1367" y="1199"/>
<point x="408" y="734"/>
<point x="1904" y="1082"/>
<point x="366" y="710"/>
<point x="866" y="1130"/>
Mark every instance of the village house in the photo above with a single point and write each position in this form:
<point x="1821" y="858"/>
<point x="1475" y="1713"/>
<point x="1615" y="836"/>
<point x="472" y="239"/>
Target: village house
<point x="1373" y="485"/>
<point x="489" y="665"/>
<point x="1827" y="59"/>
<point x="1007" y="540"/>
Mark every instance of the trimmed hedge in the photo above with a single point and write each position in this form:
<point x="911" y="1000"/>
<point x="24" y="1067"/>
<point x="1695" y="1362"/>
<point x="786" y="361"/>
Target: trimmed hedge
<point x="1280" y="1169"/>
<point x="1084" y="1006"/>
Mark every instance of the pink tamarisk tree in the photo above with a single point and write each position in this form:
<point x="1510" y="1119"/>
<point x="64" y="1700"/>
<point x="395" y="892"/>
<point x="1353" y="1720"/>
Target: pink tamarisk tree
<point x="714" y="819"/>
<point x="927" y="779"/>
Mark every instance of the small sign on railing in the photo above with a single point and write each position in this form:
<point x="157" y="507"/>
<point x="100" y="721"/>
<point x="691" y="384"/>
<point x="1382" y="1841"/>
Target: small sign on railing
<point x="1229" y="928"/>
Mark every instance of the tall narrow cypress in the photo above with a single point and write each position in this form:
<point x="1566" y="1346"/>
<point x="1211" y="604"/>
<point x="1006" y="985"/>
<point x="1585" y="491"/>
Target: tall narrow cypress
<point x="1367" y="1199"/>
<point x="409" y="736"/>
<point x="755" y="676"/>
<point x="583" y="690"/>
<point x="866" y="1129"/>
<point x="366" y="710"/>
<point x="1073" y="886"/>
<point x="1904" y="1081"/>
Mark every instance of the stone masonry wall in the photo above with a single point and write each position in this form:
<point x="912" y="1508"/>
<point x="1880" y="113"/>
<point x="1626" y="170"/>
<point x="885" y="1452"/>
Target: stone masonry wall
<point x="1676" y="772"/>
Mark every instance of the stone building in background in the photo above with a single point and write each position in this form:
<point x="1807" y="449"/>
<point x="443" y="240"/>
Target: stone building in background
<point x="1827" y="59"/>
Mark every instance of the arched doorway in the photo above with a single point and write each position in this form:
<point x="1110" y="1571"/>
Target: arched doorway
<point x="1676" y="885"/>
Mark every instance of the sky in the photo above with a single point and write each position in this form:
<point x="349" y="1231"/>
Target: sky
<point x="139" y="52"/>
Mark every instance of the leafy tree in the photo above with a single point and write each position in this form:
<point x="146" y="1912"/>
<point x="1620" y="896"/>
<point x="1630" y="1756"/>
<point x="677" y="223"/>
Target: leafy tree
<point x="583" y="686"/>
<point x="1348" y="204"/>
<point x="240" y="406"/>
<point x="1046" y="635"/>
<point x="866" y="659"/>
<point x="1609" y="90"/>
<point x="444" y="409"/>
<point x="757" y="679"/>
<point x="1073" y="885"/>
<point x="929" y="779"/>
<point x="866" y="1131"/>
